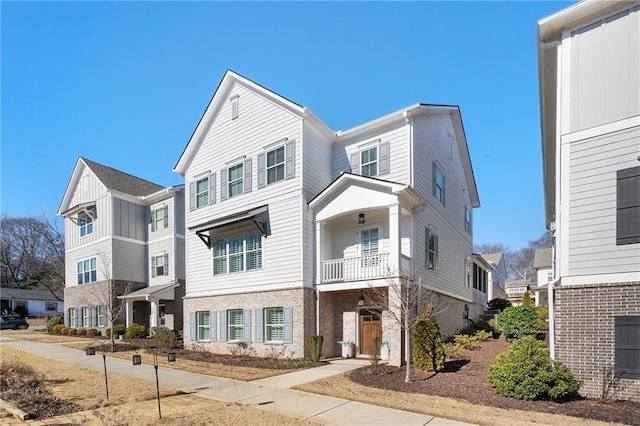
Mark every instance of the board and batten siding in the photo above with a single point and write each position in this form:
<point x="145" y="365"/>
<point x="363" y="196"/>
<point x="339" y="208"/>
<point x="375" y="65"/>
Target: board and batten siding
<point x="129" y="219"/>
<point x="101" y="250"/>
<point x="594" y="163"/>
<point x="89" y="189"/>
<point x="259" y="124"/>
<point x="604" y="70"/>
<point x="398" y="138"/>
<point x="434" y="140"/>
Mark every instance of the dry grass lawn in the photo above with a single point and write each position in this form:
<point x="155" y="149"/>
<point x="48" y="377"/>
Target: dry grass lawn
<point x="40" y="336"/>
<point x="341" y="387"/>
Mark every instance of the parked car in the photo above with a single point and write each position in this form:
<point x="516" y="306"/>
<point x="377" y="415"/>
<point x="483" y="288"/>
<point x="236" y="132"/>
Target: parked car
<point x="13" y="323"/>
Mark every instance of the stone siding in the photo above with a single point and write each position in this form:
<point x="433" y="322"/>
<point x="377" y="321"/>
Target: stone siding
<point x="585" y="333"/>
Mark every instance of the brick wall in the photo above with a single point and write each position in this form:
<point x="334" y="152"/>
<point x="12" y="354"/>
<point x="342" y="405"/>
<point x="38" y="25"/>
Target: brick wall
<point x="584" y="321"/>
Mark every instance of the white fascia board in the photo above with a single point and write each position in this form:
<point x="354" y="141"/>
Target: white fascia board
<point x="162" y="194"/>
<point x="73" y="184"/>
<point x="377" y="124"/>
<point x="314" y="121"/>
<point x="127" y="197"/>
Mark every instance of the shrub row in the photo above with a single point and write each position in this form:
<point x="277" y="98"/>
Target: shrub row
<point x="61" y="330"/>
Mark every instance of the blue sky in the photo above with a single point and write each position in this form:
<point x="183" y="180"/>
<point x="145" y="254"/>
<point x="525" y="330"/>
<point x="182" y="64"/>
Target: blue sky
<point x="124" y="84"/>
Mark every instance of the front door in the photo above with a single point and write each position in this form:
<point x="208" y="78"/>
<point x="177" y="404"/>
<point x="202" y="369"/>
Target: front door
<point x="370" y="328"/>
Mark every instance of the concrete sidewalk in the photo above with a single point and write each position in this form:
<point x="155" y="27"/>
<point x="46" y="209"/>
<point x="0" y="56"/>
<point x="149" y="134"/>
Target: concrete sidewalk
<point x="272" y="394"/>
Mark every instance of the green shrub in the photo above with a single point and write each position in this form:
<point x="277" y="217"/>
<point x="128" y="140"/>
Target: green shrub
<point x="58" y="328"/>
<point x="135" y="331"/>
<point x="498" y="304"/>
<point x="316" y="342"/>
<point x="428" y="350"/>
<point x="518" y="321"/>
<point x="525" y="371"/>
<point x="92" y="332"/>
<point x="119" y="329"/>
<point x="526" y="299"/>
<point x="166" y="338"/>
<point x="543" y="316"/>
<point x="475" y="326"/>
<point x="81" y="332"/>
<point x="459" y="343"/>
<point x="53" y="321"/>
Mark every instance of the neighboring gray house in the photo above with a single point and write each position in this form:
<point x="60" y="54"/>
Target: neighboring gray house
<point x="589" y="72"/>
<point x="33" y="302"/>
<point x="543" y="264"/>
<point x="290" y="224"/>
<point x="124" y="242"/>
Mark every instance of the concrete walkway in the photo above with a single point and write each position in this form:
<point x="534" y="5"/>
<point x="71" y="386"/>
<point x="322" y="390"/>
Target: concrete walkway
<point x="272" y="394"/>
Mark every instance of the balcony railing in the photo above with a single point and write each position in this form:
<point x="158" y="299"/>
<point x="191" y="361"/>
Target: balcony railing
<point x="355" y="268"/>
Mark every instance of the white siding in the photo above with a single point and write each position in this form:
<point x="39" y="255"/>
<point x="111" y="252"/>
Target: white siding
<point x="159" y="248"/>
<point x="398" y="138"/>
<point x="100" y="249"/>
<point x="605" y="70"/>
<point x="434" y="140"/>
<point x="592" y="204"/>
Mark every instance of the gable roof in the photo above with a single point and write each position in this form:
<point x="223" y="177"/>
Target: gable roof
<point x="543" y="258"/>
<point x="112" y="179"/>
<point x="493" y="257"/>
<point x="25" y="294"/>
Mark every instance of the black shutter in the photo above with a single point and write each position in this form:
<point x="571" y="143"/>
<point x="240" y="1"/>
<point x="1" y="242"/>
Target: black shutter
<point x="628" y="206"/>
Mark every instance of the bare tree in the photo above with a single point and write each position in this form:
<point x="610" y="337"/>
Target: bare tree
<point x="400" y="301"/>
<point x="520" y="264"/>
<point x="488" y="248"/>
<point x="32" y="253"/>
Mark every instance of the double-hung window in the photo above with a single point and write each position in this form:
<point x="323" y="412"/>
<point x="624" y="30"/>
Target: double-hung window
<point x="369" y="162"/>
<point x="87" y="272"/>
<point x="274" y="324"/>
<point x="102" y="316"/>
<point x="275" y="165"/>
<point x="73" y="318"/>
<point x="160" y="218"/>
<point x="237" y="254"/>
<point x="86" y="224"/>
<point x="432" y="250"/>
<point x="236" y="180"/>
<point x="438" y="183"/>
<point x="203" y="325"/>
<point x="86" y="316"/>
<point x="369" y="246"/>
<point x="235" y="324"/>
<point x="202" y="192"/>
<point x="160" y="265"/>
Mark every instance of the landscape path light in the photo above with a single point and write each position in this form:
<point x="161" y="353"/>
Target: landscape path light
<point x="90" y="351"/>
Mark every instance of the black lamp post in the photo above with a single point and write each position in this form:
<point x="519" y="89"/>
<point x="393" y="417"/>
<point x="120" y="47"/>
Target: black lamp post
<point x="171" y="357"/>
<point x="90" y="351"/>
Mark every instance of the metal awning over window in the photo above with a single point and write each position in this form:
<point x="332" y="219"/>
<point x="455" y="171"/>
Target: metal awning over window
<point x="202" y="231"/>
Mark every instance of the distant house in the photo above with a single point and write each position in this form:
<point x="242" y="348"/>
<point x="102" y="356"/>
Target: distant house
<point x="31" y="302"/>
<point x="497" y="276"/>
<point x="543" y="265"/>
<point x="516" y="290"/>
<point x="589" y="81"/>
<point x="124" y="243"/>
<point x="291" y="224"/>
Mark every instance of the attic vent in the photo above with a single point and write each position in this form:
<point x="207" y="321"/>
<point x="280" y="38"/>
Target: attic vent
<point x="234" y="107"/>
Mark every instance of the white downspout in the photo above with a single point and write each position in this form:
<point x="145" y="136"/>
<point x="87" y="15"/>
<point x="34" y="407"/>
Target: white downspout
<point x="552" y="324"/>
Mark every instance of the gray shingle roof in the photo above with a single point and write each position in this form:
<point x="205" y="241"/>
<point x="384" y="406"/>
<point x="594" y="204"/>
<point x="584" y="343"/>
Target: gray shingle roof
<point x="23" y="294"/>
<point x="492" y="257"/>
<point x="120" y="181"/>
<point x="543" y="258"/>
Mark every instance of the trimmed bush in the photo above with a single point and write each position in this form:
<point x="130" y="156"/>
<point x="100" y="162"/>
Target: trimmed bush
<point x="518" y="321"/>
<point x="459" y="343"/>
<point x="53" y="321"/>
<point x="58" y="328"/>
<point x="526" y="299"/>
<point x="119" y="329"/>
<point x="316" y="342"/>
<point x="428" y="351"/>
<point x="72" y="331"/>
<point x="166" y="338"/>
<point x="92" y="332"/>
<point x="498" y="304"/>
<point x="82" y="332"/>
<point x="543" y="316"/>
<point x="107" y="332"/>
<point x="135" y="331"/>
<point x="525" y="371"/>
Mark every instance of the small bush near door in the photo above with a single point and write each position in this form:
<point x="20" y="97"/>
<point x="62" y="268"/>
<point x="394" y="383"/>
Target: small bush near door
<point x="135" y="331"/>
<point x="316" y="342"/>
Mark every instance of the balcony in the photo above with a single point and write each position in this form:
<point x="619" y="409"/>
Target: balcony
<point x="355" y="268"/>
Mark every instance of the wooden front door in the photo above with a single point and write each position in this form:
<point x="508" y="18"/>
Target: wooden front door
<point x="370" y="328"/>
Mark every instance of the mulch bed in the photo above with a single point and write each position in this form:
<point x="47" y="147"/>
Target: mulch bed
<point x="239" y="360"/>
<point x="466" y="380"/>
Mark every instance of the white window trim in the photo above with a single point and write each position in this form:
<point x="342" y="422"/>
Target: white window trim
<point x="81" y="261"/>
<point x="240" y="180"/>
<point x="229" y="325"/>
<point x="245" y="252"/>
<point x="266" y="325"/>
<point x="434" y="264"/>
<point x="86" y="314"/>
<point x="155" y="218"/>
<point x="376" y="162"/>
<point x="200" y="326"/>
<point x="102" y="318"/>
<point x="197" y="204"/>
<point x="283" y="164"/>
<point x="155" y="264"/>
<point x="89" y="222"/>
<point x="438" y="170"/>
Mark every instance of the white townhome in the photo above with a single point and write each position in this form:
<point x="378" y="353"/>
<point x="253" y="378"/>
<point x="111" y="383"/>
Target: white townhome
<point x="290" y="224"/>
<point x="124" y="243"/>
<point x="589" y="71"/>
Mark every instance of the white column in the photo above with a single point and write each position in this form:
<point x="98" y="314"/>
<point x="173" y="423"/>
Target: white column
<point x="154" y="314"/>
<point x="129" y="312"/>
<point x="394" y="239"/>
<point x="319" y="250"/>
